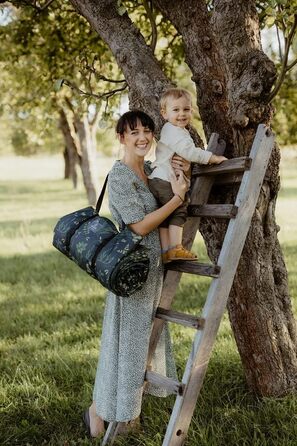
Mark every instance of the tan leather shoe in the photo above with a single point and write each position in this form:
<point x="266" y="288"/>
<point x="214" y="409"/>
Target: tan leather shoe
<point x="180" y="253"/>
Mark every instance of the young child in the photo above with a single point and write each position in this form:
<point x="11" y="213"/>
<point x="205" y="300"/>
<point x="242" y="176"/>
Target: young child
<point x="176" y="109"/>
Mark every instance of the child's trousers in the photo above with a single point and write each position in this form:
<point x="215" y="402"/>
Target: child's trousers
<point x="163" y="193"/>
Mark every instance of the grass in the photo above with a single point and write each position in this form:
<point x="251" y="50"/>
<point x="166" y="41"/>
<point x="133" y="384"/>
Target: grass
<point x="51" y="317"/>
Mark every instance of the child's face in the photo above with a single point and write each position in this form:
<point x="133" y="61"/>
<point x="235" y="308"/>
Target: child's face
<point x="138" y="141"/>
<point x="178" y="111"/>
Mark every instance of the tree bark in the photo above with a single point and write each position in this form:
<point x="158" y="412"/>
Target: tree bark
<point x="71" y="155"/>
<point x="233" y="78"/>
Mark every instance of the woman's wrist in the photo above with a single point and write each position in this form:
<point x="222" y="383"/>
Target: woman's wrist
<point x="180" y="197"/>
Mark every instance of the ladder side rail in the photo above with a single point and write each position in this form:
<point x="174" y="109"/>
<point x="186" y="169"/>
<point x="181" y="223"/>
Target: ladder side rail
<point x="110" y="433"/>
<point x="220" y="288"/>
<point x="199" y="195"/>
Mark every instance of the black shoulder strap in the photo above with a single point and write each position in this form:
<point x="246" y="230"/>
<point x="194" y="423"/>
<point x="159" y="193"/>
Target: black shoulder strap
<point x="100" y="199"/>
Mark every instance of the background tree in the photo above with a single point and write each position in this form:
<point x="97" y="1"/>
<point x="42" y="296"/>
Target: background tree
<point x="40" y="52"/>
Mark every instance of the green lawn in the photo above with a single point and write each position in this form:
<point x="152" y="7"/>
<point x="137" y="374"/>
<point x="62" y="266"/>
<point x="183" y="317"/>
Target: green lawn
<point x="50" y="322"/>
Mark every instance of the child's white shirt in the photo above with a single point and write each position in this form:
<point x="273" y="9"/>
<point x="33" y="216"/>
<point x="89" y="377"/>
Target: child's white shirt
<point x="177" y="140"/>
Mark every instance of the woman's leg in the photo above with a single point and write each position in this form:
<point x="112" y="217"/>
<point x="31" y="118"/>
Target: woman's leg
<point x="96" y="422"/>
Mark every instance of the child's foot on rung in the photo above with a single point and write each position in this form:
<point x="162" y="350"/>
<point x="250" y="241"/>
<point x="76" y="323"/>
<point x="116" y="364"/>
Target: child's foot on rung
<point x="180" y="253"/>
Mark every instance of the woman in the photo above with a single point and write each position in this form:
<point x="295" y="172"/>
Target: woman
<point x="127" y="320"/>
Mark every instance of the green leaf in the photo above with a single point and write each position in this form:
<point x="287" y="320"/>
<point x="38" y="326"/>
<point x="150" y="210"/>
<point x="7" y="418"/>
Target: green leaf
<point x="58" y="84"/>
<point x="121" y="8"/>
<point x="270" y="21"/>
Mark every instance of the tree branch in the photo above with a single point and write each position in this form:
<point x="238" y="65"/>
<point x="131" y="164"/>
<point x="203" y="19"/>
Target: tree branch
<point x="289" y="67"/>
<point x="93" y="70"/>
<point x="34" y="5"/>
<point x="41" y="8"/>
<point x="149" y="10"/>
<point x="285" y="68"/>
<point x="106" y="95"/>
<point x="279" y="44"/>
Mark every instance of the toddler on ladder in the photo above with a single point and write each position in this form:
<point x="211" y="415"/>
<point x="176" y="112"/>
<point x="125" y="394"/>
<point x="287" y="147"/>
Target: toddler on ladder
<point x="176" y="109"/>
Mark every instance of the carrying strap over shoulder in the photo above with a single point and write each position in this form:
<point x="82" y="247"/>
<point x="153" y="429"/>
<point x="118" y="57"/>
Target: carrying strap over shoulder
<point x="101" y="196"/>
<point x="99" y="203"/>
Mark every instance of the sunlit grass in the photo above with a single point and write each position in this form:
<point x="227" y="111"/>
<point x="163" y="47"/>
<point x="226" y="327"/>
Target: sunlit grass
<point x="51" y="317"/>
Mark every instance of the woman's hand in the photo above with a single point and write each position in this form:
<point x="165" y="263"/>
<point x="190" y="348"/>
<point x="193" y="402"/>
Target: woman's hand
<point x="180" y="185"/>
<point x="180" y="164"/>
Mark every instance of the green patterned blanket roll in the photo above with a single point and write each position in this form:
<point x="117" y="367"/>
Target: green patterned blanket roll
<point x="114" y="258"/>
<point x="122" y="265"/>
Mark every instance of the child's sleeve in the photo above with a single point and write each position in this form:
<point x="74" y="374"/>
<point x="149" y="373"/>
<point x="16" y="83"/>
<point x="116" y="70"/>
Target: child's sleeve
<point x="184" y="146"/>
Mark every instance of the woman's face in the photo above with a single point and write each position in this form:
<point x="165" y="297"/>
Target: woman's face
<point x="138" y="141"/>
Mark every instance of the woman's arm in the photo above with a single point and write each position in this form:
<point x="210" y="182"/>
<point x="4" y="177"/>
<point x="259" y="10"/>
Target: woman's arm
<point x="152" y="220"/>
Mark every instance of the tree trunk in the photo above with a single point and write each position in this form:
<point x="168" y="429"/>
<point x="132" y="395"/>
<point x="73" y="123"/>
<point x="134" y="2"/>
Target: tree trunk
<point x="66" y="164"/>
<point x="233" y="77"/>
<point x="259" y="309"/>
<point x="87" y="139"/>
<point x="203" y="58"/>
<point x="227" y="51"/>
<point x="70" y="154"/>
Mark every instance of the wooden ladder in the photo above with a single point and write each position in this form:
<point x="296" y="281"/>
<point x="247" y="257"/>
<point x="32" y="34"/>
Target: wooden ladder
<point x="250" y="172"/>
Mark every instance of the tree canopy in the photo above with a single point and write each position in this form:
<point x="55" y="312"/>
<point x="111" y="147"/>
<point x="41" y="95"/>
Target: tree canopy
<point x="46" y="45"/>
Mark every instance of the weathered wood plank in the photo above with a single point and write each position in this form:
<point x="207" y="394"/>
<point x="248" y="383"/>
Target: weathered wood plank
<point x="219" y="289"/>
<point x="169" y="384"/>
<point x="199" y="195"/>
<point x="193" y="267"/>
<point x="230" y="166"/>
<point x="212" y="210"/>
<point x="177" y="317"/>
<point x="229" y="178"/>
<point x="110" y="433"/>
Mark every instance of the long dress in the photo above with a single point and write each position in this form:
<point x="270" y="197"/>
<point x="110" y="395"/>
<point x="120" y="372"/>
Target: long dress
<point x="127" y="321"/>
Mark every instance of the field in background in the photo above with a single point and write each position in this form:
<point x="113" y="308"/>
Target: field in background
<point x="50" y="323"/>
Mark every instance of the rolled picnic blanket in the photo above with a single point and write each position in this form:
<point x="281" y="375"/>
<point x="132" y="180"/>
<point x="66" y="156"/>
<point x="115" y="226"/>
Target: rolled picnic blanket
<point x="114" y="258"/>
<point x="120" y="266"/>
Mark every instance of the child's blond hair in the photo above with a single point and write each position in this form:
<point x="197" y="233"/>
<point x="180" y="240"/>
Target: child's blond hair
<point x="174" y="93"/>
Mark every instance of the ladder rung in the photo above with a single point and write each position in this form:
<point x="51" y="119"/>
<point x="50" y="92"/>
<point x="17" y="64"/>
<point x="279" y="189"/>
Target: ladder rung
<point x="169" y="384"/>
<point x="180" y="318"/>
<point x="212" y="210"/>
<point x="187" y="266"/>
<point x="229" y="166"/>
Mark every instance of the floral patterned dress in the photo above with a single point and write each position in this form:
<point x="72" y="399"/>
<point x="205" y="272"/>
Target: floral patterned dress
<point x="127" y="321"/>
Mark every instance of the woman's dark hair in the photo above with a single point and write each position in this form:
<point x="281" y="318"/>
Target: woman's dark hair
<point x="130" y="118"/>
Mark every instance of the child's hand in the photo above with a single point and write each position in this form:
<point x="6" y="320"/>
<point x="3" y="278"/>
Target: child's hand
<point x="216" y="159"/>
